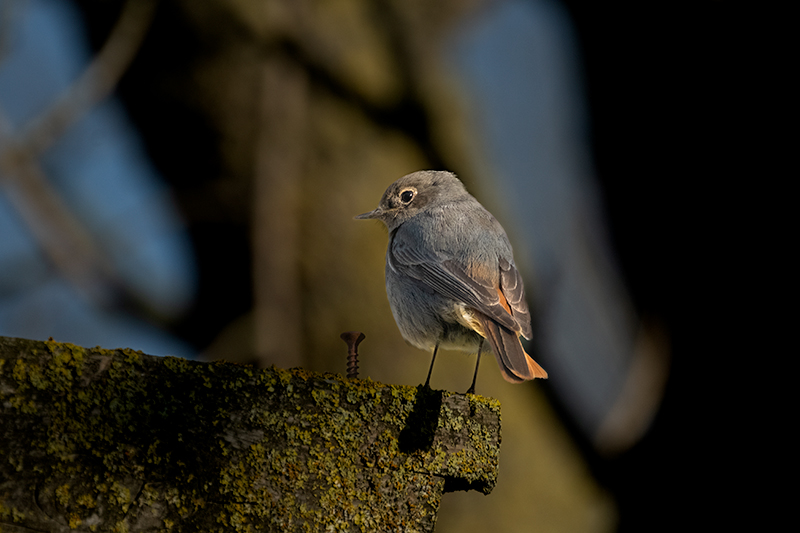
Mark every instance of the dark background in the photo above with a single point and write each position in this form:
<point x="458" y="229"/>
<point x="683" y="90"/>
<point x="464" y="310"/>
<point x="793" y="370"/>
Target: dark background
<point x="677" y="101"/>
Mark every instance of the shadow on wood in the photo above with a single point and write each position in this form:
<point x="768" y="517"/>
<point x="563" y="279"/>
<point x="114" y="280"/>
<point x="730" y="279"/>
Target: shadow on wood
<point x="116" y="440"/>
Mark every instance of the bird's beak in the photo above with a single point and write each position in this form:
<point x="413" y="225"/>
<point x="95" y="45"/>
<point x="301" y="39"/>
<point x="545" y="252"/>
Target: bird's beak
<point x="375" y="213"/>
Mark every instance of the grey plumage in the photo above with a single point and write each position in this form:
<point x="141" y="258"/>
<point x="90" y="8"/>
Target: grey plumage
<point x="450" y="274"/>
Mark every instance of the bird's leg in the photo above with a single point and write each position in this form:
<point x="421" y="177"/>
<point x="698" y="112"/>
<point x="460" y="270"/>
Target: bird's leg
<point x="427" y="381"/>
<point x="471" y="390"/>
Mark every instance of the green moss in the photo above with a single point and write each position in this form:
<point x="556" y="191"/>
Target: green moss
<point x="181" y="441"/>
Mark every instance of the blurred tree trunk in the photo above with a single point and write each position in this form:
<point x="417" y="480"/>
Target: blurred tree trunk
<point x="314" y="107"/>
<point x="277" y="200"/>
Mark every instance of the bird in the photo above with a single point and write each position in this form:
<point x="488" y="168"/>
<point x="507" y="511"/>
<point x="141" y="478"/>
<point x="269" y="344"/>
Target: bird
<point x="451" y="280"/>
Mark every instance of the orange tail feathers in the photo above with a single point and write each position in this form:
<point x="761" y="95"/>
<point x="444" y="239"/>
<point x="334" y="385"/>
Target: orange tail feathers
<point x="535" y="368"/>
<point x="515" y="364"/>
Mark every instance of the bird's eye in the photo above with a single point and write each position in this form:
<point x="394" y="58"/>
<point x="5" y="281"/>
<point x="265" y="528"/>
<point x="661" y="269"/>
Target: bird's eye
<point x="406" y="196"/>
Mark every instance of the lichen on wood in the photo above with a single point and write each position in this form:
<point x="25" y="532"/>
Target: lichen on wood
<point x="116" y="440"/>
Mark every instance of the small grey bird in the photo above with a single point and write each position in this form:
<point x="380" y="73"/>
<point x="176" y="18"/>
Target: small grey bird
<point x="450" y="274"/>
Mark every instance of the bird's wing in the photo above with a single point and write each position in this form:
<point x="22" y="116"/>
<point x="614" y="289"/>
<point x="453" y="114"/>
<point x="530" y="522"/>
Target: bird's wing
<point x="503" y="302"/>
<point x="514" y="292"/>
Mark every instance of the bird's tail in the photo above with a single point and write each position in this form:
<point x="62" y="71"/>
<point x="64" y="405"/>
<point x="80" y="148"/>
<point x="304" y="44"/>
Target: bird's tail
<point x="515" y="364"/>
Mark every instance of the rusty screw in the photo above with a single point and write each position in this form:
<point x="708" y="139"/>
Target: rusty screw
<point x="353" y="339"/>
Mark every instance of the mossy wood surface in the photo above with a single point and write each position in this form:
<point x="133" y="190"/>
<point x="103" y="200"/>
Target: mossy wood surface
<point x="116" y="440"/>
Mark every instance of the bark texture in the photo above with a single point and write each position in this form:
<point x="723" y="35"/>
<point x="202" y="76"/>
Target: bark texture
<point x="116" y="440"/>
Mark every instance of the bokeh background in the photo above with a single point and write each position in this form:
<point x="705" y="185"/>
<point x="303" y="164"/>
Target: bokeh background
<point x="181" y="177"/>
